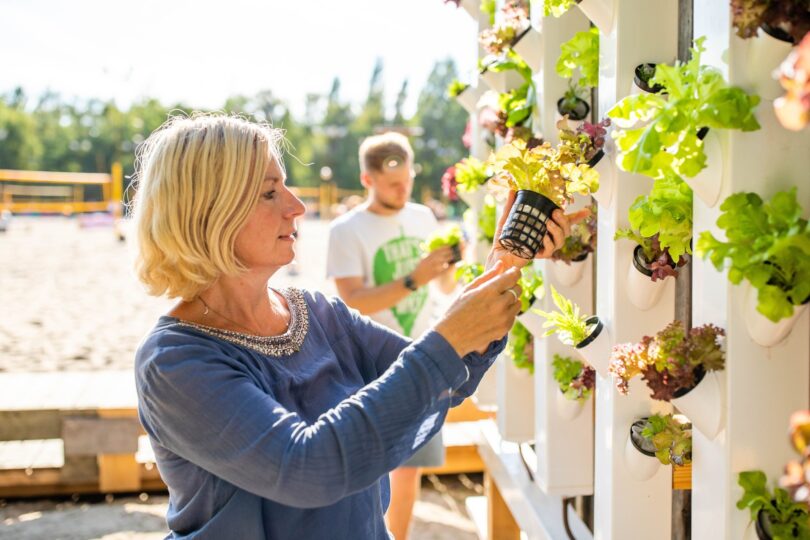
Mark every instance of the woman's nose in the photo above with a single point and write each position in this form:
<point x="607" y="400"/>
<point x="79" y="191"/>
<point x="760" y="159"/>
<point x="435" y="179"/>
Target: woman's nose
<point x="296" y="206"/>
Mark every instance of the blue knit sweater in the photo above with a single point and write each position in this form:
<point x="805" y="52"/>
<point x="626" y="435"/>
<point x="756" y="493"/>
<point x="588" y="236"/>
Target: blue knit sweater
<point x="297" y="446"/>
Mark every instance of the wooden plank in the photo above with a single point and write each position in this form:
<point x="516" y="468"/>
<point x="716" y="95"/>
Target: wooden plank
<point x="682" y="477"/>
<point x="50" y="177"/>
<point x="119" y="472"/>
<point x="467" y="412"/>
<point x="26" y="425"/>
<point x="459" y="459"/>
<point x="94" y="436"/>
<point x="500" y="523"/>
<point x="79" y="470"/>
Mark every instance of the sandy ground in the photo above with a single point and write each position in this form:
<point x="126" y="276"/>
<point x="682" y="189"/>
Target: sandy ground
<point x="69" y="301"/>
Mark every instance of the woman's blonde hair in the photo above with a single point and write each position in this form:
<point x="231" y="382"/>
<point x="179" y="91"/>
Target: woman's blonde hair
<point x="198" y="179"/>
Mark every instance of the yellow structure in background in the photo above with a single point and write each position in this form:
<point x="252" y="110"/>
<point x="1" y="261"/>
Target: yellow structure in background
<point x="47" y="192"/>
<point x="59" y="192"/>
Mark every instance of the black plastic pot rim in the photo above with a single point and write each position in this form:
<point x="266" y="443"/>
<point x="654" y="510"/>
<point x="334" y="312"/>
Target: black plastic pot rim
<point x="466" y="87"/>
<point x="635" y="444"/>
<point x="598" y="325"/>
<point x="640" y="263"/>
<point x="761" y="525"/>
<point x="521" y="35"/>
<point x="643" y="86"/>
<point x="777" y="33"/>
<point x="571" y="114"/>
<point x="700" y="374"/>
<point x="531" y="301"/>
<point x="597" y="157"/>
<point x="581" y="257"/>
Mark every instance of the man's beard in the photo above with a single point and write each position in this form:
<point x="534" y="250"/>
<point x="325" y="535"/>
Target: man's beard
<point x="389" y="206"/>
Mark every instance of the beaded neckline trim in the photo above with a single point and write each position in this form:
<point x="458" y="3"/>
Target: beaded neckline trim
<point x="287" y="343"/>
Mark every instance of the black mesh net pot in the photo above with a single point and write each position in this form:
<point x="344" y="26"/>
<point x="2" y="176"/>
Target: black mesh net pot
<point x="525" y="226"/>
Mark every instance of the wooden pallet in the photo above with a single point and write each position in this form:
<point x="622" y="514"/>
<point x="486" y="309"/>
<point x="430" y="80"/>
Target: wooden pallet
<point x="78" y="432"/>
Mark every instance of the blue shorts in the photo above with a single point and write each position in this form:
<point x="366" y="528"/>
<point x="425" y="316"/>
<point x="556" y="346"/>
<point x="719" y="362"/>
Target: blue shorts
<point x="430" y="455"/>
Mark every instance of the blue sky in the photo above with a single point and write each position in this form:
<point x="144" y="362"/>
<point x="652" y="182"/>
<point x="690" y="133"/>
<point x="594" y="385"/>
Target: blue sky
<point x="201" y="51"/>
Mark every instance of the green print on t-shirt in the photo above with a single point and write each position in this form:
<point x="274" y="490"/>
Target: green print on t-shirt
<point x="394" y="260"/>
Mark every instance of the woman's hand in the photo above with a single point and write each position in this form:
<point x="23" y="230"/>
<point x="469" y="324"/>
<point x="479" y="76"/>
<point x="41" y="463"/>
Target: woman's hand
<point x="559" y="227"/>
<point x="484" y="312"/>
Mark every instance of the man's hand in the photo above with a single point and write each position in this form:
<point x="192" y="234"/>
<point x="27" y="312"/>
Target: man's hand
<point x="559" y="227"/>
<point x="432" y="265"/>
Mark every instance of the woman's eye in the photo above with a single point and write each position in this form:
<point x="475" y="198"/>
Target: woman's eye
<point x="268" y="195"/>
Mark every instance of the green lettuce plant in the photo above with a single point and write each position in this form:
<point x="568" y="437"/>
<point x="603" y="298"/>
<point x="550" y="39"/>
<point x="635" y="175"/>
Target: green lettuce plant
<point x="487" y="220"/>
<point x="517" y="105"/>
<point x="557" y="7"/>
<point x="580" y="242"/>
<point x="789" y="16"/>
<point x="670" y="361"/>
<point x="568" y="322"/>
<point x="531" y="284"/>
<point x="666" y="142"/>
<point x="471" y="174"/>
<point x="544" y="169"/>
<point x="488" y="7"/>
<point x="455" y="88"/>
<point x="767" y="244"/>
<point x="500" y="37"/>
<point x="581" y="53"/>
<point x="585" y="141"/>
<point x="658" y="259"/>
<point x="661" y="223"/>
<point x="449" y="236"/>
<point x="575" y="379"/>
<point x="667" y="212"/>
<point x="510" y="60"/>
<point x="786" y="519"/>
<point x="672" y="439"/>
<point x="519" y="347"/>
<point x="467" y="272"/>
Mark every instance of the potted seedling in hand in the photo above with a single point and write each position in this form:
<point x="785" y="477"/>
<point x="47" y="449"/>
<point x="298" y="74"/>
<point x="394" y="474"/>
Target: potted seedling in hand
<point x="545" y="179"/>
<point x="448" y="237"/>
<point x="586" y="333"/>
<point x="678" y="366"/>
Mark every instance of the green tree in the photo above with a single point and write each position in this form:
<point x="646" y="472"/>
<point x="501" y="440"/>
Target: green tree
<point x="442" y="121"/>
<point x="20" y="145"/>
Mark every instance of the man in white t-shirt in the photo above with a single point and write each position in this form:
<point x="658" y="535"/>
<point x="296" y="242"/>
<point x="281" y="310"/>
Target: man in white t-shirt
<point x="375" y="258"/>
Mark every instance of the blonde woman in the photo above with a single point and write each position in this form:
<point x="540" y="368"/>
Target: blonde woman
<point x="277" y="414"/>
